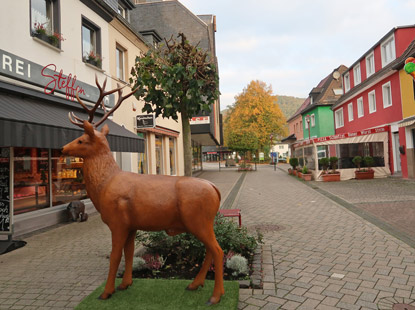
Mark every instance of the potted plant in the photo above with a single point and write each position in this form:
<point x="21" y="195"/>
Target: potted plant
<point x="333" y="175"/>
<point x="299" y="172"/>
<point x="366" y="173"/>
<point x="56" y="38"/>
<point x="306" y="174"/>
<point x="93" y="59"/>
<point x="294" y="164"/>
<point x="40" y="32"/>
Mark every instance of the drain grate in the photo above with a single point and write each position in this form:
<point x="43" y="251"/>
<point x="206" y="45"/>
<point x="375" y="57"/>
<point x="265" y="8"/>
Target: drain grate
<point x="265" y="228"/>
<point x="396" y="303"/>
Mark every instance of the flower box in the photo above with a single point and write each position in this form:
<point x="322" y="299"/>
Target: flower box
<point x="331" y="177"/>
<point x="364" y="175"/>
<point x="307" y="176"/>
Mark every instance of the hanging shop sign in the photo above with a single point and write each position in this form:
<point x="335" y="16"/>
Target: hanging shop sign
<point x="198" y="120"/>
<point x="50" y="77"/>
<point x="145" y="121"/>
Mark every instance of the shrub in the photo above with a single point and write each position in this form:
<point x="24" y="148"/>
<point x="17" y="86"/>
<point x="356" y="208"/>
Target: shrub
<point x="185" y="248"/>
<point x="305" y="170"/>
<point x="333" y="163"/>
<point x="369" y="161"/>
<point x="239" y="264"/>
<point x="357" y="161"/>
<point x="324" y="162"/>
<point x="294" y="162"/>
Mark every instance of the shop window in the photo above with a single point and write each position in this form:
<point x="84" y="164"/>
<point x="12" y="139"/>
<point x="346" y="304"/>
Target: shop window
<point x="91" y="43"/>
<point x="142" y="157"/>
<point x="31" y="179"/>
<point x="45" y="20"/>
<point x="172" y="153"/>
<point x="159" y="155"/>
<point x="67" y="179"/>
<point x="197" y="156"/>
<point x="348" y="151"/>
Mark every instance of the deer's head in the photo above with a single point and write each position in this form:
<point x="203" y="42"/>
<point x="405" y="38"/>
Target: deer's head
<point x="93" y="142"/>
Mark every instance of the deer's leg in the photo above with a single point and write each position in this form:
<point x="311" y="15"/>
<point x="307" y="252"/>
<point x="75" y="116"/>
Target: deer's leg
<point x="207" y="237"/>
<point x="201" y="276"/>
<point x="127" y="279"/>
<point x="119" y="238"/>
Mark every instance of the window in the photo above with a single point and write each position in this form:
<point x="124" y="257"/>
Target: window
<point x="346" y="82"/>
<point x="313" y="120"/>
<point x="172" y="151"/>
<point x="360" y="111"/>
<point x="339" y="118"/>
<point x="45" y="21"/>
<point x="370" y="64"/>
<point x="372" y="101"/>
<point x="159" y="155"/>
<point x="119" y="54"/>
<point x="306" y="122"/>
<point x="388" y="50"/>
<point x="142" y="157"/>
<point x="350" y="111"/>
<point x="91" y="43"/>
<point x="387" y="95"/>
<point x="357" y="74"/>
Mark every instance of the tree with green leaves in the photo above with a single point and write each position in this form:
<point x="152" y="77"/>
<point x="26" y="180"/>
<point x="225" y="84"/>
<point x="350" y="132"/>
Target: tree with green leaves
<point x="177" y="78"/>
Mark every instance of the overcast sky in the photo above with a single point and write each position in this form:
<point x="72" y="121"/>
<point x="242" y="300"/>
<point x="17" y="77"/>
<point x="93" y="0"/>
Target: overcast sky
<point x="293" y="44"/>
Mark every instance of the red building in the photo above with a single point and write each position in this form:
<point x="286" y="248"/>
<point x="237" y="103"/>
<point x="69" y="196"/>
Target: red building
<point x="372" y="91"/>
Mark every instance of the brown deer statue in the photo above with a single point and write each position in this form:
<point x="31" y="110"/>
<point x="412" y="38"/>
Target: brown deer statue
<point x="129" y="202"/>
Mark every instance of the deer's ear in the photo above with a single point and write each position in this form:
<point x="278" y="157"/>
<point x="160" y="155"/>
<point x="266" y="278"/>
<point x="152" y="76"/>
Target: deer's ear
<point x="89" y="129"/>
<point x="105" y="130"/>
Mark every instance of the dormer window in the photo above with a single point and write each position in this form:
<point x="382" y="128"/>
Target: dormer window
<point x="347" y="82"/>
<point x="357" y="74"/>
<point x="370" y="64"/>
<point x="388" y="51"/>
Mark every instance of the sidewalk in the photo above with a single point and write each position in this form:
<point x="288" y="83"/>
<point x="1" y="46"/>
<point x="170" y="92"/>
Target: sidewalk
<point x="317" y="254"/>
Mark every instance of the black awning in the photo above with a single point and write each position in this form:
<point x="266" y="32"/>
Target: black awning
<point x="28" y="122"/>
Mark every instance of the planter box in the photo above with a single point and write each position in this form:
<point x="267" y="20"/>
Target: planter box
<point x="333" y="177"/>
<point x="294" y="172"/>
<point x="289" y="171"/>
<point x="363" y="175"/>
<point x="307" y="176"/>
<point x="299" y="174"/>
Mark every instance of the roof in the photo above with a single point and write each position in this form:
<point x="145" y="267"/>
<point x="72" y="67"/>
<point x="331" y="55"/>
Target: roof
<point x="290" y="137"/>
<point x="300" y="109"/>
<point x="377" y="76"/>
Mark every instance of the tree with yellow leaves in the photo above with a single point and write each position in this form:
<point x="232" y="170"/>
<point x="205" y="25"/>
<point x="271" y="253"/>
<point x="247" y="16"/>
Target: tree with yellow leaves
<point x="253" y="118"/>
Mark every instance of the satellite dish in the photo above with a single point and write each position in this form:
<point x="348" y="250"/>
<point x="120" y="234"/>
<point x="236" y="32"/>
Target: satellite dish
<point x="336" y="75"/>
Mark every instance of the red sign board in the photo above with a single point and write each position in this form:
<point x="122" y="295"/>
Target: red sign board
<point x="344" y="136"/>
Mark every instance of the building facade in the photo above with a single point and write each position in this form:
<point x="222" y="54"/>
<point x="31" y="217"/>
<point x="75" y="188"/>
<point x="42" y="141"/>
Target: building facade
<point x="167" y="19"/>
<point x="372" y="91"/>
<point x="52" y="52"/>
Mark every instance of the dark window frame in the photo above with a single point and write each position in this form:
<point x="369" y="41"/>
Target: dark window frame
<point x="97" y="30"/>
<point x="56" y="21"/>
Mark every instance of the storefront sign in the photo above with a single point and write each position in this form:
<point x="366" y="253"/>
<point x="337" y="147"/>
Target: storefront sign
<point x="49" y="77"/>
<point x="146" y="121"/>
<point x="5" y="212"/>
<point x="198" y="120"/>
<point x="344" y="135"/>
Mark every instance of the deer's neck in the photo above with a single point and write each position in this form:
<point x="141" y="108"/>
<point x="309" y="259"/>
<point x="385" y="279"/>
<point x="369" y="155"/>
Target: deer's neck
<point x="98" y="170"/>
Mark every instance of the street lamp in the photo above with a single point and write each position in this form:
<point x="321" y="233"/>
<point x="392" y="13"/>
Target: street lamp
<point x="307" y="119"/>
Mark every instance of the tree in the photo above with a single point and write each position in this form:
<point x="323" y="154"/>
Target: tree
<point x="255" y="115"/>
<point x="177" y="78"/>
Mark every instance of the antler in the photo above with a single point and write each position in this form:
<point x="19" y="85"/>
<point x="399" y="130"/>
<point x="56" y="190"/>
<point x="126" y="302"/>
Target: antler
<point x="102" y="93"/>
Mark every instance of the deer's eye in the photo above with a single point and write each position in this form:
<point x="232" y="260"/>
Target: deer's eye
<point x="79" y="141"/>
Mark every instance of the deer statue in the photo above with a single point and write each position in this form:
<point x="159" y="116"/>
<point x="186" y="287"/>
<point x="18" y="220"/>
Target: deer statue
<point x="129" y="202"/>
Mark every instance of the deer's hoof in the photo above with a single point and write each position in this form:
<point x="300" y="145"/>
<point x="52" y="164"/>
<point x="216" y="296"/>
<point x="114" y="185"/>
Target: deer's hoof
<point x="212" y="301"/>
<point x="104" y="296"/>
<point x="123" y="287"/>
<point x="192" y="287"/>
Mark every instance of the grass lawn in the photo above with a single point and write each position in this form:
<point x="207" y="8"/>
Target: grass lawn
<point x="155" y="294"/>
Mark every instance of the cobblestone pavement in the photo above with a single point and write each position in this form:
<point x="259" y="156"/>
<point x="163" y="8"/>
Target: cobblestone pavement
<point x="320" y="256"/>
<point x="325" y="257"/>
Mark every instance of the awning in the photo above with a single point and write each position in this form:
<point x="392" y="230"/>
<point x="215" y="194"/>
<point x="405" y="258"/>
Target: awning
<point x="28" y="122"/>
<point x="407" y="122"/>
